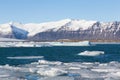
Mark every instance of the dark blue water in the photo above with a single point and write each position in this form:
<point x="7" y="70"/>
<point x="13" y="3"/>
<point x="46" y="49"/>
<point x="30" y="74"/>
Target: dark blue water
<point x="64" y="54"/>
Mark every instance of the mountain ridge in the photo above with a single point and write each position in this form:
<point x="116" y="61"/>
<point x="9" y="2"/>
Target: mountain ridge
<point x="72" y="29"/>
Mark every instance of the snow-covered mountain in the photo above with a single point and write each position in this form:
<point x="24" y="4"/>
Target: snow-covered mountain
<point x="64" y="29"/>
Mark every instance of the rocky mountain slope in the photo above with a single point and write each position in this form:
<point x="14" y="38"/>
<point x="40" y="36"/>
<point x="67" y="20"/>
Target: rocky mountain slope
<point x="72" y="29"/>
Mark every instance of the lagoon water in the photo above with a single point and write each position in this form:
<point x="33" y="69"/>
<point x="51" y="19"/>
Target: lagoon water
<point x="60" y="63"/>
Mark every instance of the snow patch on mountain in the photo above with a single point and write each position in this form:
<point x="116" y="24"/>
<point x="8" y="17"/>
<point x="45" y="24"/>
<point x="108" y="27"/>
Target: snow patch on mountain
<point x="33" y="28"/>
<point x="5" y="29"/>
<point x="80" y="24"/>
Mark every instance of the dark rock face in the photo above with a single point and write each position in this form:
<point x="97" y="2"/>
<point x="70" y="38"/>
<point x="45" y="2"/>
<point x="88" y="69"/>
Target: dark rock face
<point x="10" y="35"/>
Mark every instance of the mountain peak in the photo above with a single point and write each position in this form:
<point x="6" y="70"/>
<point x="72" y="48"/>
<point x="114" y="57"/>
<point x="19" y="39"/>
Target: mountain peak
<point x="11" y="23"/>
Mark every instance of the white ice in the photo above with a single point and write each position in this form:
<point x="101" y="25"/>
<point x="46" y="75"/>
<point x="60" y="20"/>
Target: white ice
<point x="54" y="70"/>
<point x="81" y="43"/>
<point x="26" y="57"/>
<point x="10" y="43"/>
<point x="50" y="72"/>
<point x="91" y="53"/>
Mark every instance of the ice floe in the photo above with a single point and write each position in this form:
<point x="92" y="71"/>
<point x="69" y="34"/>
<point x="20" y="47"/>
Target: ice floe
<point x="25" y="57"/>
<point x="55" y="70"/>
<point x="51" y="72"/>
<point x="91" y="53"/>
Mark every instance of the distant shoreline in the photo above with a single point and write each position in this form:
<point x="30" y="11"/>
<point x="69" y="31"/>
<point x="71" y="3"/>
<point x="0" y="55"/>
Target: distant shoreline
<point x="59" y="40"/>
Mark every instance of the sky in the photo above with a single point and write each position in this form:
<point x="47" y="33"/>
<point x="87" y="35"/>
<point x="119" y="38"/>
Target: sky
<point x="37" y="11"/>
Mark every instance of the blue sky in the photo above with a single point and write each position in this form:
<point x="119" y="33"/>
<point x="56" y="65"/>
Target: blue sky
<point x="37" y="11"/>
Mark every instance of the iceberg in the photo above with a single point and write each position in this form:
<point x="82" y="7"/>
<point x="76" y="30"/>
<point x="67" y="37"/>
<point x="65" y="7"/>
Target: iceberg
<point x="24" y="44"/>
<point x="42" y="44"/>
<point x="91" y="53"/>
<point x="82" y="43"/>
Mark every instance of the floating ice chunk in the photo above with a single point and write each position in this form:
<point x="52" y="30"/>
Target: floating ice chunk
<point x="73" y="74"/>
<point x="74" y="68"/>
<point x="113" y="76"/>
<point x="48" y="62"/>
<point x="1" y="76"/>
<point x="116" y="74"/>
<point x="24" y="45"/>
<point x="51" y="72"/>
<point x="91" y="53"/>
<point x="26" y="57"/>
<point x="104" y="70"/>
<point x="59" y="78"/>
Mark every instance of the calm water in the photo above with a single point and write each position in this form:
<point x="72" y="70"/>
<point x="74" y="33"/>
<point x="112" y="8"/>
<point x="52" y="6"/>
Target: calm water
<point x="63" y="54"/>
